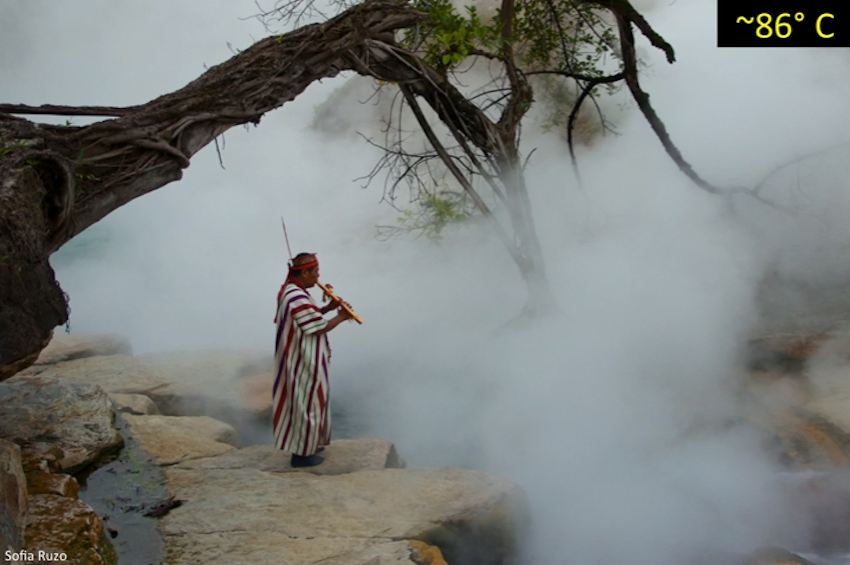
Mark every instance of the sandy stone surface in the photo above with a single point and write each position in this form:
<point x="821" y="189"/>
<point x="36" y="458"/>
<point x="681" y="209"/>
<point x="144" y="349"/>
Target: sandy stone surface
<point x="137" y="404"/>
<point x="342" y="456"/>
<point x="353" y="517"/>
<point x="65" y="347"/>
<point x="172" y="439"/>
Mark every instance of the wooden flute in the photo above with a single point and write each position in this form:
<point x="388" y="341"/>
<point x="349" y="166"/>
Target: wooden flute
<point x="329" y="293"/>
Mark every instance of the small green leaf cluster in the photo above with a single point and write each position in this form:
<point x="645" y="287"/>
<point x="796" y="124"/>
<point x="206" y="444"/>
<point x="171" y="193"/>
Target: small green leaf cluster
<point x="448" y="36"/>
<point x="563" y="35"/>
<point x="436" y="212"/>
<point x="7" y="148"/>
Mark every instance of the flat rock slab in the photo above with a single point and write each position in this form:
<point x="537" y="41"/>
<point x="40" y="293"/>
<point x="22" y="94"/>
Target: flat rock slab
<point x="297" y="518"/>
<point x="342" y="456"/>
<point x="182" y="383"/>
<point x="65" y="347"/>
<point x="68" y="424"/>
<point x="261" y="548"/>
<point x="172" y="439"/>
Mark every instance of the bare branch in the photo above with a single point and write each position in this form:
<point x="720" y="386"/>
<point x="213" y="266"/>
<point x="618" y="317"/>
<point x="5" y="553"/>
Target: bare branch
<point x="54" y="110"/>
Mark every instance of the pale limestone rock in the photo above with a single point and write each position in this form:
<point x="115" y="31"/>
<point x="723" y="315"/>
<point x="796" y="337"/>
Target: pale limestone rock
<point x="470" y="516"/>
<point x="172" y="439"/>
<point x="256" y="392"/>
<point x="183" y="383"/>
<point x="70" y="425"/>
<point x="341" y="456"/>
<point x="13" y="497"/>
<point x="114" y="373"/>
<point x="137" y="404"/>
<point x="273" y="548"/>
<point x="60" y="524"/>
<point x="64" y="347"/>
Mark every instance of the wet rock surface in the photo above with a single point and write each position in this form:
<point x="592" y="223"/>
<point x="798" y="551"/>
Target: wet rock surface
<point x="121" y="492"/>
<point x="62" y="525"/>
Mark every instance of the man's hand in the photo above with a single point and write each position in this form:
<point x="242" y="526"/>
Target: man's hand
<point x="345" y="313"/>
<point x="332" y="305"/>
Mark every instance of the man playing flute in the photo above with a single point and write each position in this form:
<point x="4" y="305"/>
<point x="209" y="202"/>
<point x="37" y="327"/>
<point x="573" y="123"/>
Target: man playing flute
<point x="301" y="401"/>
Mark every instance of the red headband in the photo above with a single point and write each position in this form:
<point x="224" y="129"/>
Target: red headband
<point x="304" y="266"/>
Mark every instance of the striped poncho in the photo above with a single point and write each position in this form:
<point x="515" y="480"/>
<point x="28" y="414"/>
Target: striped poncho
<point x="301" y="405"/>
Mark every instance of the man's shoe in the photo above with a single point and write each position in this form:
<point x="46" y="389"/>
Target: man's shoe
<point x="306" y="461"/>
<point x="321" y="448"/>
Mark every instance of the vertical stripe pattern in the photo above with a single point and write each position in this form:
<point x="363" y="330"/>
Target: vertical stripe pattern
<point x="301" y="403"/>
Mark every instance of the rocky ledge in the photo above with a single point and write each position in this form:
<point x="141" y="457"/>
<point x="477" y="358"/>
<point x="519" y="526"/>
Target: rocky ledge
<point x="227" y="503"/>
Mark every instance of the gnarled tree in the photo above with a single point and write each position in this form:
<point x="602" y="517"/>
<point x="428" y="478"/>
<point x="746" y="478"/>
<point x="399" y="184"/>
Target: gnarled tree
<point x="55" y="181"/>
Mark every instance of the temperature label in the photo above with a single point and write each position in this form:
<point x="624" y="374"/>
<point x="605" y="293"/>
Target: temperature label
<point x="783" y="23"/>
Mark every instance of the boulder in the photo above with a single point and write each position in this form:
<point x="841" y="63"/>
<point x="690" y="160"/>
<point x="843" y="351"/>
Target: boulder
<point x="241" y="515"/>
<point x="70" y="425"/>
<point x="342" y="456"/>
<point x="57" y="524"/>
<point x="256" y="391"/>
<point x="64" y="347"/>
<point x="13" y="497"/>
<point x="172" y="439"/>
<point x="137" y="404"/>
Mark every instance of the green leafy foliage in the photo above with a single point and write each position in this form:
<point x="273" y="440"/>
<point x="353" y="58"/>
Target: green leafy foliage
<point x="435" y="212"/>
<point x="449" y="36"/>
<point x="564" y="36"/>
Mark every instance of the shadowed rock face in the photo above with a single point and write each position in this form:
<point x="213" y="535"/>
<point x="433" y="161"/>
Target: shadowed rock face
<point x="13" y="500"/>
